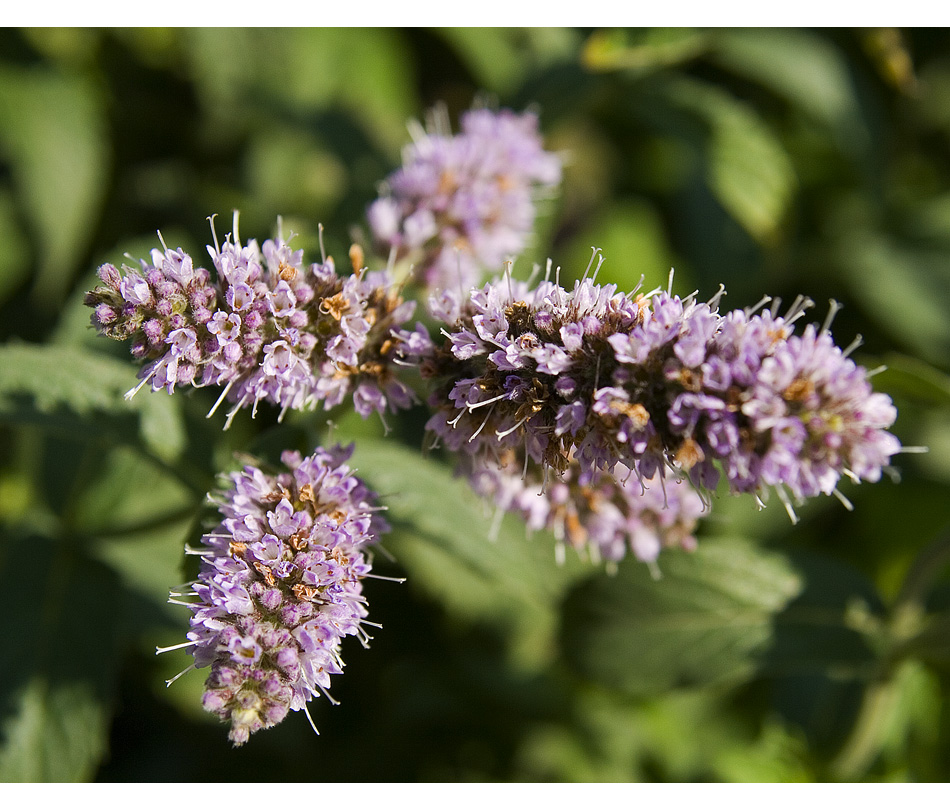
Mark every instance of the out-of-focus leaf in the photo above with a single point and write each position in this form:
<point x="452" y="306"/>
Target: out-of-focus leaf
<point x="915" y="378"/>
<point x="140" y="518"/>
<point x="441" y="538"/>
<point x="491" y="53"/>
<point x="642" y="50"/>
<point x="746" y="166"/>
<point x="14" y="258"/>
<point x="717" y="615"/>
<point x="499" y="58"/>
<point x="56" y="734"/>
<point x="363" y="70"/>
<point x="801" y="66"/>
<point x="54" y="377"/>
<point x="58" y="659"/>
<point x="52" y="131"/>
<point x="908" y="292"/>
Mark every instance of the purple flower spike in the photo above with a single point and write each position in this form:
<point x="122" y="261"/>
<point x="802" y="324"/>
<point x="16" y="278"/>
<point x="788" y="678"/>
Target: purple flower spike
<point x="280" y="585"/>
<point x="653" y="384"/>
<point x="460" y="205"/>
<point x="267" y="328"/>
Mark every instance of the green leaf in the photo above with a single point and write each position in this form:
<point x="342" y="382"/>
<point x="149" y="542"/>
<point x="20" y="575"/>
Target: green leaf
<point x="58" y="659"/>
<point x="720" y="614"/>
<point x="52" y="129"/>
<point x="57" y="734"/>
<point x="53" y="378"/>
<point x="914" y="378"/>
<point x="747" y="168"/>
<point x="441" y="535"/>
<point x="15" y="256"/>
<point x="804" y="68"/>
<point x="903" y="289"/>
<point x="642" y="50"/>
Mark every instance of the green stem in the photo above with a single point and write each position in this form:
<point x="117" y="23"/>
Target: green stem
<point x="863" y="745"/>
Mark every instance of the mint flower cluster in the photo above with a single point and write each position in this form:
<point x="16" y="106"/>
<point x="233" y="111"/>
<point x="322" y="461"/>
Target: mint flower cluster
<point x="268" y="327"/>
<point x="461" y="205"/>
<point x="280" y="586"/>
<point x="605" y="417"/>
<point x="656" y="383"/>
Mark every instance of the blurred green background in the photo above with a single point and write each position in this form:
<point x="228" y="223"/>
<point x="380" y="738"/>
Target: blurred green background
<point x="774" y="161"/>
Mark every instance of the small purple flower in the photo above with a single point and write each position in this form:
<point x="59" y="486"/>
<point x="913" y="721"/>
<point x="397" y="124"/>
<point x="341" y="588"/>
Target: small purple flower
<point x="273" y="606"/>
<point x="655" y="383"/>
<point x="268" y="328"/>
<point x="462" y="204"/>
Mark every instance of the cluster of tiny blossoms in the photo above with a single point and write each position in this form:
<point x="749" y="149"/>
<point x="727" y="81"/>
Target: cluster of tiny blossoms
<point x="604" y="517"/>
<point x="460" y="205"/>
<point x="654" y="382"/>
<point x="604" y="417"/>
<point x="267" y="327"/>
<point x="280" y="586"/>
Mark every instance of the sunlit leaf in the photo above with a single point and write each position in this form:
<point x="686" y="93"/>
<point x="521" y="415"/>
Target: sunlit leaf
<point x="747" y="167"/>
<point x="57" y="734"/>
<point x="641" y="49"/>
<point x="52" y="129"/>
<point x="803" y="67"/>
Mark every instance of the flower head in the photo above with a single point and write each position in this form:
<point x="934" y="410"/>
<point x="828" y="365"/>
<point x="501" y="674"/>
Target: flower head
<point x="655" y="383"/>
<point x="462" y="204"/>
<point x="268" y="327"/>
<point x="280" y="586"/>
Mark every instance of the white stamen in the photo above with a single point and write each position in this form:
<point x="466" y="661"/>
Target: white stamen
<point x="160" y="239"/>
<point x="911" y="448"/>
<point x="473" y="405"/>
<point x="199" y="552"/>
<point x="560" y="556"/>
<point x="503" y="433"/>
<point x="214" y="235"/>
<point x="306" y="711"/>
<point x="590" y="264"/>
<point x="323" y="253"/>
<point x="655" y="573"/>
<point x="713" y="303"/>
<point x="844" y="501"/>
<point x="133" y="391"/>
<point x="159" y="650"/>
<point x="220" y="399"/>
<point x="484" y="422"/>
<point x="786" y="502"/>
<point x="833" y="309"/>
<point x="236" y="215"/>
<point x="600" y="263"/>
<point x="669" y="284"/>
<point x="874" y="371"/>
<point x="388" y="579"/>
<point x="858" y="340"/>
<point x="170" y="681"/>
